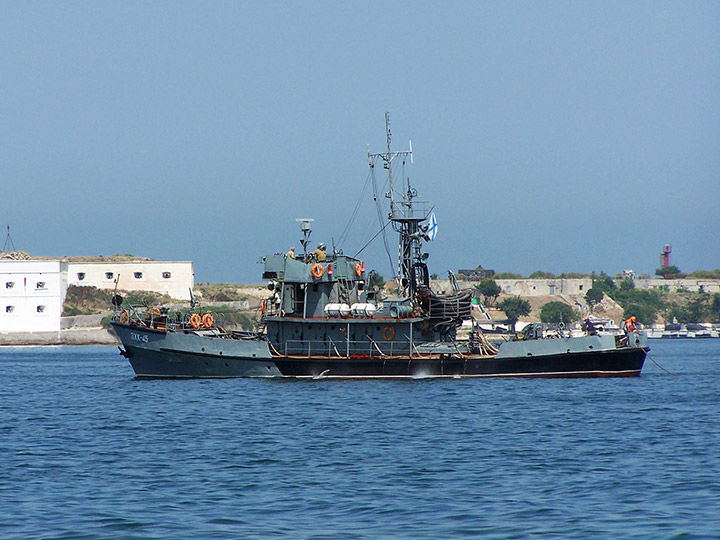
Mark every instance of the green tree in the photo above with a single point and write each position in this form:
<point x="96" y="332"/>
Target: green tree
<point x="550" y="312"/>
<point x="508" y="275"/>
<point x="643" y="304"/>
<point x="669" y="272"/>
<point x="514" y="308"/>
<point x="603" y="282"/>
<point x="705" y="274"/>
<point x="541" y="274"/>
<point x="715" y="307"/>
<point x="644" y="313"/>
<point x="490" y="290"/>
<point x="593" y="297"/>
<point x="376" y="280"/>
<point x="696" y="310"/>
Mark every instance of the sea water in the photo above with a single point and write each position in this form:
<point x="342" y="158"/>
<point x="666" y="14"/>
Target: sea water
<point x="87" y="451"/>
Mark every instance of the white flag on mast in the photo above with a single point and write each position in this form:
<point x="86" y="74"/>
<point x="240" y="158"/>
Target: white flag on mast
<point x="432" y="227"/>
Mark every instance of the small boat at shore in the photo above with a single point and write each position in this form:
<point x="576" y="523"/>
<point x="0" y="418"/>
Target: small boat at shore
<point x="324" y="319"/>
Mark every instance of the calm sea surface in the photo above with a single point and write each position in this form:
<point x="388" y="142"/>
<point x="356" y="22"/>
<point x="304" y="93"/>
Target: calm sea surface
<point x="86" y="451"/>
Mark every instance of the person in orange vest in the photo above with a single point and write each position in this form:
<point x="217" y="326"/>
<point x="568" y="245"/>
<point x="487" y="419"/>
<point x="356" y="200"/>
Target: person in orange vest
<point x="629" y="325"/>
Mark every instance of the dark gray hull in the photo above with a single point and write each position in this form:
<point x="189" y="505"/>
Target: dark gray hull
<point x="159" y="354"/>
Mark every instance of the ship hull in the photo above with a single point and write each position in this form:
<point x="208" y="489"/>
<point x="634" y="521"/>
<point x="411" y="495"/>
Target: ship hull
<point x="616" y="363"/>
<point x="182" y="355"/>
<point x="159" y="354"/>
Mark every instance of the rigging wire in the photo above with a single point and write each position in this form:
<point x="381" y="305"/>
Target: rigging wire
<point x="380" y="219"/>
<point x="353" y="215"/>
<point x="373" y="238"/>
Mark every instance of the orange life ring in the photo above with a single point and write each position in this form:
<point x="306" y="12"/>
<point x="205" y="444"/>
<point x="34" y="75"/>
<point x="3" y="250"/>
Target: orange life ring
<point x="124" y="316"/>
<point x="358" y="271"/>
<point x="207" y="320"/>
<point x="152" y="310"/>
<point x="262" y="307"/>
<point x="388" y="333"/>
<point x="317" y="270"/>
<point x="195" y="320"/>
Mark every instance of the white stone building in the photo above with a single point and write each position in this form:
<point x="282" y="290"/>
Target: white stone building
<point x="32" y="291"/>
<point x="544" y="287"/>
<point x="31" y="295"/>
<point x="174" y="278"/>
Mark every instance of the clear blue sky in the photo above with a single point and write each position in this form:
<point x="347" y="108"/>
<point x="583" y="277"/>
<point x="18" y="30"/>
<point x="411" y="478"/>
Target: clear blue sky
<point x="562" y="136"/>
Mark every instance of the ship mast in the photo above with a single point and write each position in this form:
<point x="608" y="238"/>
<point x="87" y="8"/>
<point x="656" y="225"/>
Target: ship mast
<point x="406" y="217"/>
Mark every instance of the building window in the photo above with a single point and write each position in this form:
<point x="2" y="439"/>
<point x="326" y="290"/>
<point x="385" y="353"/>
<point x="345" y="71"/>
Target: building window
<point x="40" y="285"/>
<point x="166" y="275"/>
<point x="40" y="309"/>
<point x="9" y="284"/>
<point x="138" y="275"/>
<point x="9" y="309"/>
<point x="109" y="275"/>
<point x="81" y="276"/>
<point x="581" y="287"/>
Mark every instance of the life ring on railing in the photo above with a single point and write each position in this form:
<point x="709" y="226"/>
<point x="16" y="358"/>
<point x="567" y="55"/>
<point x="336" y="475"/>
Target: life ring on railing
<point x="207" y="320"/>
<point x="388" y="333"/>
<point x="152" y="310"/>
<point x="195" y="320"/>
<point x="358" y="271"/>
<point x="317" y="270"/>
<point x="124" y="316"/>
<point x="262" y="307"/>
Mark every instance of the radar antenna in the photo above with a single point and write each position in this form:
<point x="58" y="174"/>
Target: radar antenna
<point x="307" y="231"/>
<point x="407" y="217"/>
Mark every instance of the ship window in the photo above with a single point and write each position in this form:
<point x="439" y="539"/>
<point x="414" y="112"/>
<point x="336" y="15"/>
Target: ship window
<point x="40" y="285"/>
<point x="9" y="309"/>
<point x="138" y="275"/>
<point x="81" y="276"/>
<point x="166" y="275"/>
<point x="40" y="309"/>
<point x="109" y="275"/>
<point x="9" y="284"/>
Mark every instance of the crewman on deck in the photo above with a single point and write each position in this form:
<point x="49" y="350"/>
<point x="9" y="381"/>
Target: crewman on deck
<point x="589" y="327"/>
<point x="291" y="254"/>
<point x="629" y="325"/>
<point x="320" y="254"/>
